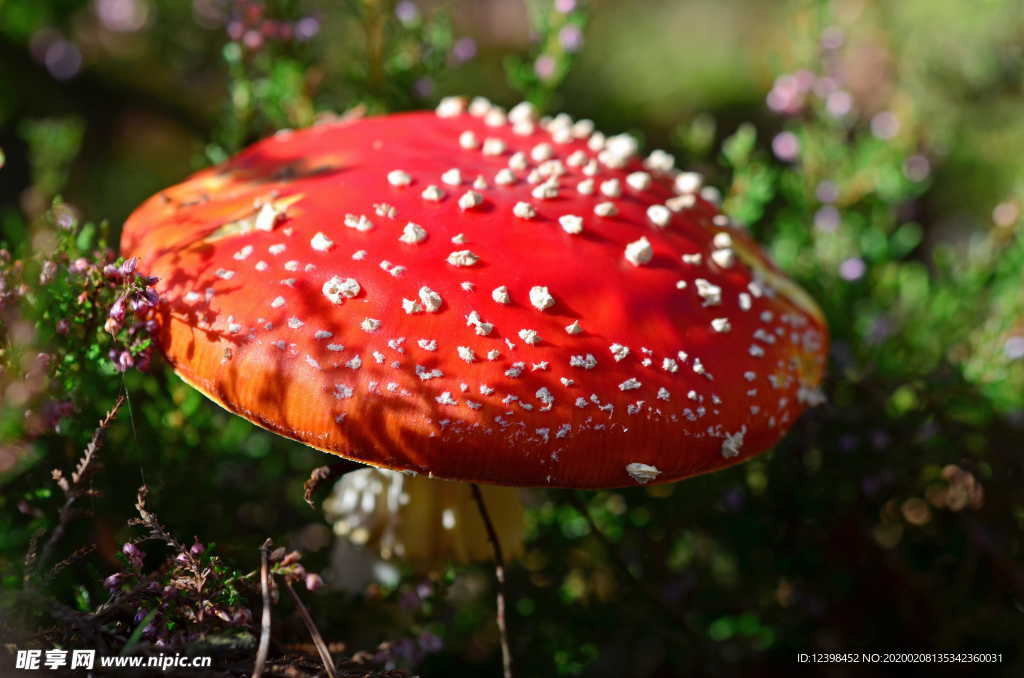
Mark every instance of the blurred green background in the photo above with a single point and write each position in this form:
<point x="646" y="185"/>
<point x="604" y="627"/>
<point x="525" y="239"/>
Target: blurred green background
<point x="875" y="148"/>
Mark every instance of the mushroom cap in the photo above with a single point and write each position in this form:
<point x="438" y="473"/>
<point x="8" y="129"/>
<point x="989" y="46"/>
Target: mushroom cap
<point x="374" y="288"/>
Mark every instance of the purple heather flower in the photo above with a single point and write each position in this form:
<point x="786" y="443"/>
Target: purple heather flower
<point x="79" y="265"/>
<point x="565" y="6"/>
<point x="786" y="146"/>
<point x="885" y="125"/>
<point x="134" y="554"/>
<point x="852" y="269"/>
<point x="306" y="28"/>
<point x="124" y="361"/>
<point x="1014" y="348"/>
<point x="407" y="12"/>
<point x="826" y="192"/>
<point x="463" y="50"/>
<point x="197" y="549"/>
<point x="838" y="103"/>
<point x="827" y="219"/>
<point x="113" y="582"/>
<point x="571" y="38"/>
<point x="314" y="581"/>
<point x="544" y="67"/>
<point x="917" y="167"/>
<point x="128" y="267"/>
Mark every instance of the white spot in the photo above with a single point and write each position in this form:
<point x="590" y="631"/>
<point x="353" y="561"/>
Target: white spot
<point x="660" y="161"/>
<point x="358" y="222"/>
<point x="466" y="353"/>
<point x="452" y="177"/>
<point x="571" y="223"/>
<point x="663" y="394"/>
<point x="359" y="255"/>
<point x="243" y="253"/>
<point x="433" y="193"/>
<point x="493" y="146"/>
<point x="639" y="252"/>
<point x="688" y="182"/>
<point x="411" y="306"/>
<point x="355" y="363"/>
<point x="399" y="178"/>
<point x="541" y="152"/>
<point x="524" y="210"/>
<point x="447" y="399"/>
<point x="427" y="344"/>
<point x="224" y="274"/>
<point x="338" y="289"/>
<point x="642" y="473"/>
<point x="724" y="257"/>
<point x="261" y="266"/>
<point x="295" y="323"/>
<point x="605" y="209"/>
<point x="732" y="444"/>
<point x="711" y="294"/>
<point x="322" y="334"/>
<point x="341" y="391"/>
<point x="540" y="298"/>
<point x="721" y="325"/>
<point x="413" y="233"/>
<point x="431" y="299"/>
<point x="587" y="362"/>
<point x="611" y="188"/>
<point x="693" y="259"/>
<point x="277" y="302"/>
<point x="681" y="202"/>
<point x="619" y="352"/>
<point x="585" y="187"/>
<point x="574" y="327"/>
<point x="267" y="217"/>
<point x="468" y="140"/>
<point x="547" y="190"/>
<point x="659" y="215"/>
<point x="529" y="336"/>
<point x="459" y="239"/>
<point x="370" y="325"/>
<point x="462" y="258"/>
<point x="504" y="177"/>
<point x="501" y="295"/>
<point x="518" y="161"/>
<point x="630" y="384"/>
<point x="450" y="107"/>
<point x="470" y="199"/>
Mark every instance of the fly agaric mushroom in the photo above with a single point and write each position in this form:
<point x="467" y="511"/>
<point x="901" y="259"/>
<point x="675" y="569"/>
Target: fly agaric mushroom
<point x="479" y="295"/>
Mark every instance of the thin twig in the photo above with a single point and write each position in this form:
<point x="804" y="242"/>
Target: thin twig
<point x="623" y="568"/>
<point x="499" y="574"/>
<point x="264" y="648"/>
<point x="73" y="490"/>
<point x="318" y="640"/>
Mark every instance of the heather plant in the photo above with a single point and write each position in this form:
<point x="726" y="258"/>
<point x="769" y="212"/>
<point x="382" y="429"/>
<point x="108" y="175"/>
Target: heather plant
<point x="873" y="152"/>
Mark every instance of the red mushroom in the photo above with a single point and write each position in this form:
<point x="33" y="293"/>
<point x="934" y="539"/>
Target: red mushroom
<point x="479" y="295"/>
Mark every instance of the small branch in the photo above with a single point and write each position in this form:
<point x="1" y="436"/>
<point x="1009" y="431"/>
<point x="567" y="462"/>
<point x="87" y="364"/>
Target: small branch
<point x="264" y="647"/>
<point x="499" y="574"/>
<point x="318" y="640"/>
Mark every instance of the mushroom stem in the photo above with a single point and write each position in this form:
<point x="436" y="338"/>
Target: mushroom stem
<point x="499" y="575"/>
